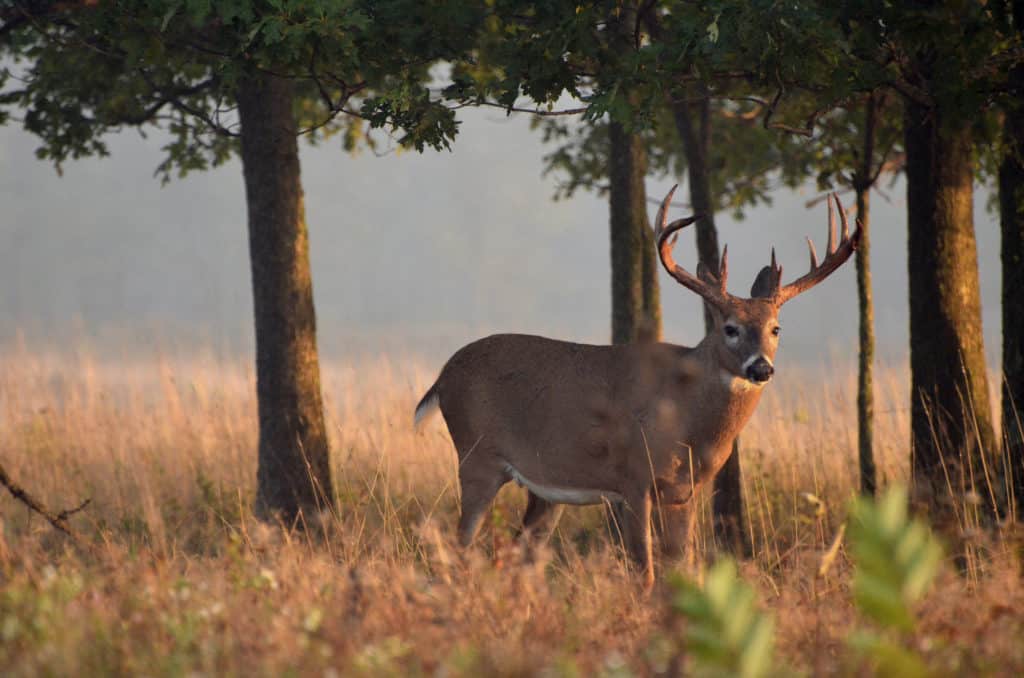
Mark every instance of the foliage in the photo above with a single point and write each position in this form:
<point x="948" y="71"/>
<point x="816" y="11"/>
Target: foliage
<point x="897" y="557"/>
<point x="764" y="68"/>
<point x="81" y="71"/>
<point x="748" y="162"/>
<point x="725" y="632"/>
<point x="773" y="71"/>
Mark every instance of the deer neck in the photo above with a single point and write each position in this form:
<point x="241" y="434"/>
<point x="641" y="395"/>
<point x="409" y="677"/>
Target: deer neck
<point x="727" y="400"/>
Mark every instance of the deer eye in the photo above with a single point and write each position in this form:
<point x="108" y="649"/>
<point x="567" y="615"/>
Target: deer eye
<point x="776" y="330"/>
<point x="732" y="331"/>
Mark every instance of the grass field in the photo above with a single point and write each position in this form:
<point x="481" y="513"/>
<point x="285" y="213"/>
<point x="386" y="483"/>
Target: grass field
<point x="179" y="579"/>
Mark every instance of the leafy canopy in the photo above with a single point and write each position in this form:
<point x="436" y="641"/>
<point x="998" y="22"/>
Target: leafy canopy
<point x="77" y="71"/>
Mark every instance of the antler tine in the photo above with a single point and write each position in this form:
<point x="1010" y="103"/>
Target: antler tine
<point x="723" y="269"/>
<point x="664" y="237"/>
<point x="776" y="273"/>
<point x="834" y="259"/>
<point x="814" y="255"/>
<point x="842" y="217"/>
<point x="831" y="225"/>
<point x="662" y="216"/>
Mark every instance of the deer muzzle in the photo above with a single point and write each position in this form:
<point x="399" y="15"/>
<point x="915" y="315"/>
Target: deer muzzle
<point x="760" y="370"/>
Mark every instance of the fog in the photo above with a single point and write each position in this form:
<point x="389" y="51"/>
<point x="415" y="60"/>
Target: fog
<point x="420" y="252"/>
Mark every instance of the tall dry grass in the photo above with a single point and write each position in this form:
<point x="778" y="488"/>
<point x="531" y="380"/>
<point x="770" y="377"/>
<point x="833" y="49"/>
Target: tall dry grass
<point x="182" y="579"/>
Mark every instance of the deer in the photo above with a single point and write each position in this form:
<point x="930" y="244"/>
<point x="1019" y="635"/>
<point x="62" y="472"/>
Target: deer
<point x="632" y="425"/>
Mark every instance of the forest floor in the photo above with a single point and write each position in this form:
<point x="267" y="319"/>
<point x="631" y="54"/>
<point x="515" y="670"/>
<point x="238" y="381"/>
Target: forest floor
<point x="176" y="577"/>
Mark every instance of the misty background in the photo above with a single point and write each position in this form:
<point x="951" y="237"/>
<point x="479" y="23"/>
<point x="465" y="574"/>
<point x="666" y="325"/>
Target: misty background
<point x="410" y="252"/>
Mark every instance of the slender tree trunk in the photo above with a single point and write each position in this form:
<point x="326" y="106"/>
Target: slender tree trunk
<point x="651" y="328"/>
<point x="1011" y="220"/>
<point x="951" y="426"/>
<point x="293" y="474"/>
<point x="866" y="309"/>
<point x="730" y="520"/>
<point x="635" y="310"/>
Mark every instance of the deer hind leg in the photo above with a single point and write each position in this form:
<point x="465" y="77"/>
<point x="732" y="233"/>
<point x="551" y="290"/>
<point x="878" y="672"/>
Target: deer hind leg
<point x="540" y="518"/>
<point x="480" y="483"/>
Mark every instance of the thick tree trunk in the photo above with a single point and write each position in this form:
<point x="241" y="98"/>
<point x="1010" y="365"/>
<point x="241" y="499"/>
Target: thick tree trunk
<point x="730" y="520"/>
<point x="866" y="310"/>
<point x="635" y="309"/>
<point x="293" y="474"/>
<point x="951" y="426"/>
<point x="1011" y="220"/>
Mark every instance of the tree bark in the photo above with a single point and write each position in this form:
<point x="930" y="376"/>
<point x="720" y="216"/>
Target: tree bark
<point x="635" y="309"/>
<point x="293" y="475"/>
<point x="951" y="426"/>
<point x="1011" y="221"/>
<point x="730" y="520"/>
<point x="651" y="327"/>
<point x="866" y="310"/>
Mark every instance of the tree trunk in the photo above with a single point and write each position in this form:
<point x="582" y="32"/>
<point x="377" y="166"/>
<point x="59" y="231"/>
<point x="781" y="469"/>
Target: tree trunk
<point x="1011" y="220"/>
<point x="651" y="327"/>
<point x="866" y="310"/>
<point x="730" y="520"/>
<point x="951" y="426"/>
<point x="293" y="475"/>
<point x="635" y="310"/>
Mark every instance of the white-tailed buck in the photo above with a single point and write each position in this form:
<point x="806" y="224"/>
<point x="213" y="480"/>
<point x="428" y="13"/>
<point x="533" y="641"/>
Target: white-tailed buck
<point x="645" y="424"/>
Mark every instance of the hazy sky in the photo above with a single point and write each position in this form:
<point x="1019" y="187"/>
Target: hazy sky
<point x="426" y="250"/>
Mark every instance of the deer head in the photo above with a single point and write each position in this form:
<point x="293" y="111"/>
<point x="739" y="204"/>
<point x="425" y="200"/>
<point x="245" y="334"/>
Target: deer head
<point x="746" y="330"/>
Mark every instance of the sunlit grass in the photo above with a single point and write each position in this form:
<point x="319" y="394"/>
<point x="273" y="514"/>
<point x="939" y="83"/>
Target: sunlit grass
<point x="182" y="579"/>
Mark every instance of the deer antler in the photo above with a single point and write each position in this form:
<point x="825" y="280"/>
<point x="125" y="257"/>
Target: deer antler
<point x="834" y="257"/>
<point x="704" y="283"/>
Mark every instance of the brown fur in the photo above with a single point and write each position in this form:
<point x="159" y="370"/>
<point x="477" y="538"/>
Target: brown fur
<point x="612" y="418"/>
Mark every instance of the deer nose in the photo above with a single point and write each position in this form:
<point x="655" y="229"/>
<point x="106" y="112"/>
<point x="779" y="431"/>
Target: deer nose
<point x="760" y="370"/>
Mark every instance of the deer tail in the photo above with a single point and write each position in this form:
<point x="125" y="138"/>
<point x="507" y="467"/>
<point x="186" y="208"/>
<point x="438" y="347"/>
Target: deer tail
<point x="429" y="404"/>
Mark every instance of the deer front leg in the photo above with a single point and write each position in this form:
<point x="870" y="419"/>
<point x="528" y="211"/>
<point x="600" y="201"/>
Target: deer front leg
<point x="636" y="523"/>
<point x="678" y="532"/>
<point x="676" y="518"/>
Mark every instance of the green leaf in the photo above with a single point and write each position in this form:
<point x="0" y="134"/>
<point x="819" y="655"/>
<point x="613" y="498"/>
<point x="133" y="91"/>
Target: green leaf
<point x="171" y="11"/>
<point x="881" y="602"/>
<point x="896" y="559"/>
<point x="889" y="659"/>
<point x="725" y="633"/>
<point x="198" y="11"/>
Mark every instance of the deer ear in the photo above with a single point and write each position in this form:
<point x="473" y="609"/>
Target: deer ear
<point x="762" y="287"/>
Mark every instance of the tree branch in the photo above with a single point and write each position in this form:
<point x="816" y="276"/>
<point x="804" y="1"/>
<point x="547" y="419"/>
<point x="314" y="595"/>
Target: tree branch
<point x="515" y="109"/>
<point x="24" y="12"/>
<point x="175" y="100"/>
<point x="807" y="131"/>
<point x="58" y="520"/>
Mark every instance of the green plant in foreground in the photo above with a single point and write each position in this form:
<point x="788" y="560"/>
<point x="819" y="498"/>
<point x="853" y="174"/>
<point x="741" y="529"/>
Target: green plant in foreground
<point x="725" y="633"/>
<point x="896" y="559"/>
